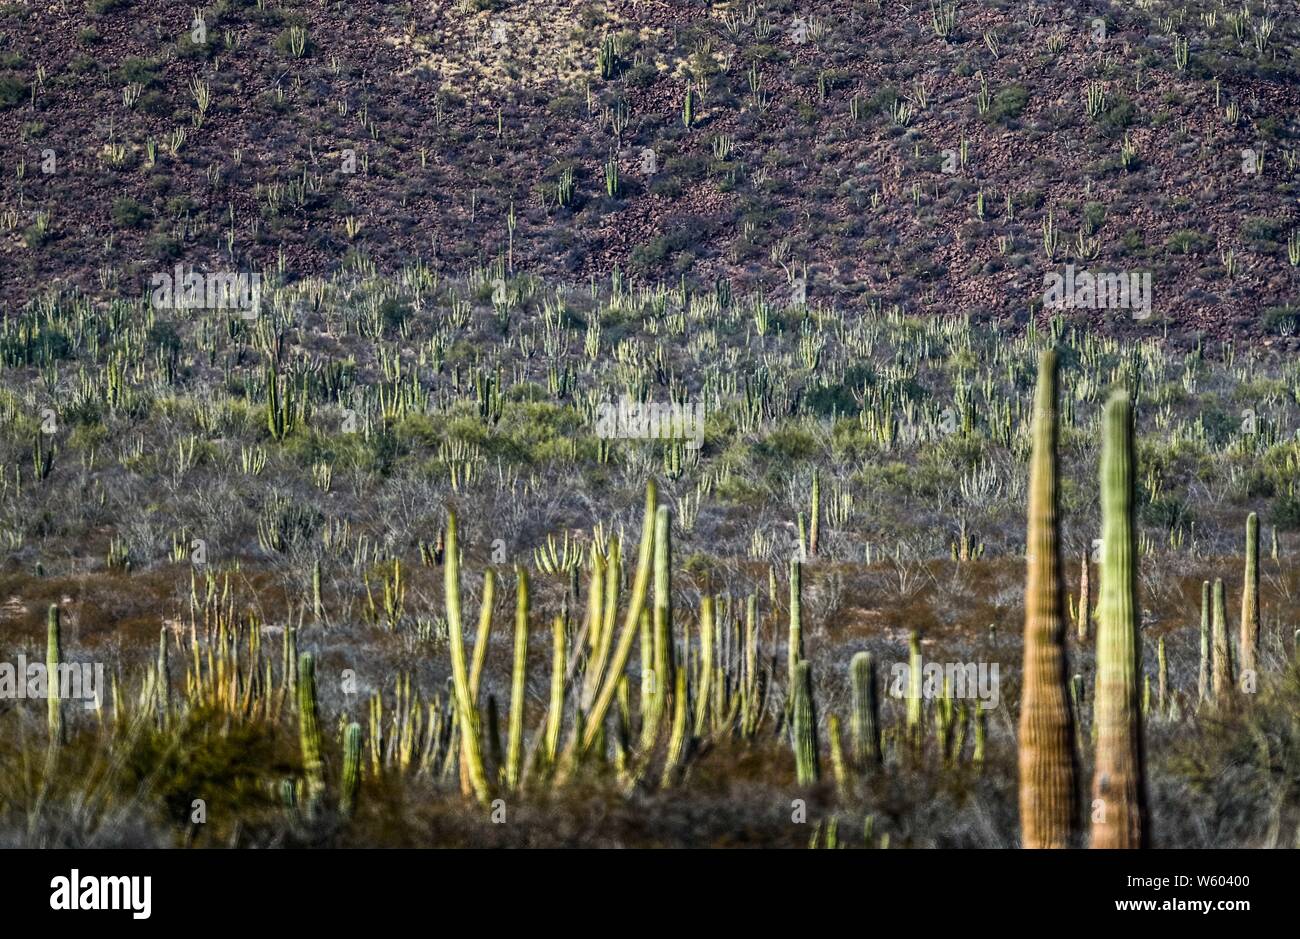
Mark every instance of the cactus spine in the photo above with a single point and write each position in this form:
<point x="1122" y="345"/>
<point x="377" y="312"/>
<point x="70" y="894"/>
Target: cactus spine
<point x="804" y="726"/>
<point x="865" y="723"/>
<point x="1250" y="597"/>
<point x="53" y="655"/>
<point x="515" y="743"/>
<point x="471" y="745"/>
<point x="1048" y="775"/>
<point x="351" y="770"/>
<point x="309" y="740"/>
<point x="1119" y="796"/>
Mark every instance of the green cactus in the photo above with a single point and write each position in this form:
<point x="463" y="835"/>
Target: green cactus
<point x="794" y="649"/>
<point x="1085" y="600"/>
<point x="53" y="656"/>
<point x="662" y="624"/>
<point x="1203" y="676"/>
<point x="706" y="666"/>
<point x="309" y="738"/>
<point x="814" y="529"/>
<point x="518" y="672"/>
<point x="864" y="725"/>
<point x="1222" y="674"/>
<point x="1250" y="597"/>
<point x="555" y="711"/>
<point x="351" y="784"/>
<point x="1048" y="774"/>
<point x="1119" y="783"/>
<point x="803" y="723"/>
<point x="467" y="713"/>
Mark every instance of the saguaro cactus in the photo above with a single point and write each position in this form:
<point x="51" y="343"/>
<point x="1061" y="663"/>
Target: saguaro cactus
<point x="1119" y="784"/>
<point x="309" y="732"/>
<point x="803" y="724"/>
<point x="1250" y="597"/>
<point x="794" y="652"/>
<point x="351" y="770"/>
<point x="1048" y="774"/>
<point x="864" y="726"/>
<point x="1222" y="674"/>
<point x="1203" y="677"/>
<point x="814" y="526"/>
<point x="53" y="656"/>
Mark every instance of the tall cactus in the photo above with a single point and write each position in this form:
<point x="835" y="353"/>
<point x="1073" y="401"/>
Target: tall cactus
<point x="518" y="670"/>
<point x="53" y="656"/>
<point x="1119" y="784"/>
<point x="1203" y="676"/>
<point x="662" y="625"/>
<point x="1048" y="774"/>
<point x="1085" y="600"/>
<point x="1222" y="670"/>
<point x="467" y="713"/>
<point x="1250" y="597"/>
<point x="794" y="650"/>
<point x="814" y="528"/>
<point x="309" y="739"/>
<point x="864" y="725"/>
<point x="803" y="724"/>
<point x="351" y="784"/>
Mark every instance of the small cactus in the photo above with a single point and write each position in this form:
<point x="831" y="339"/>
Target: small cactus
<point x="1221" y="667"/>
<point x="864" y="725"/>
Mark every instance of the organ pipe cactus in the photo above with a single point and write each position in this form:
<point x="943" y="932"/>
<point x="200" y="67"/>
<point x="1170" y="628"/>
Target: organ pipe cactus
<point x="555" y="711"/>
<point x="53" y="656"/>
<point x="515" y="741"/>
<point x="1119" y="818"/>
<point x="803" y="723"/>
<point x="814" y="528"/>
<point x="640" y="587"/>
<point x="351" y="783"/>
<point x="794" y="650"/>
<point x="309" y="738"/>
<point x="1085" y="610"/>
<point x="1048" y="774"/>
<point x="467" y="713"/>
<point x="864" y="725"/>
<point x="662" y="622"/>
<point x="1250" y="597"/>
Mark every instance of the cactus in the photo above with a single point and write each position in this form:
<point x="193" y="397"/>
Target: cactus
<point x="814" y="528"/>
<point x="1085" y="612"/>
<point x="677" y="737"/>
<point x="640" y="587"/>
<point x="53" y="656"/>
<point x="351" y="784"/>
<point x="706" y="666"/>
<point x="864" y="726"/>
<point x="1119" y="783"/>
<point x="515" y="741"/>
<point x="467" y="713"/>
<point x="1221" y="665"/>
<point x="662" y="625"/>
<point x="1250" y="597"/>
<point x="163" y="678"/>
<point x="555" y="712"/>
<point x="915" y="702"/>
<point x="803" y="723"/>
<point x="794" y="649"/>
<point x="1203" y="676"/>
<point x="688" y="108"/>
<point x="1048" y="774"/>
<point x="317" y="608"/>
<point x="309" y="738"/>
<point x="1162" y="678"/>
